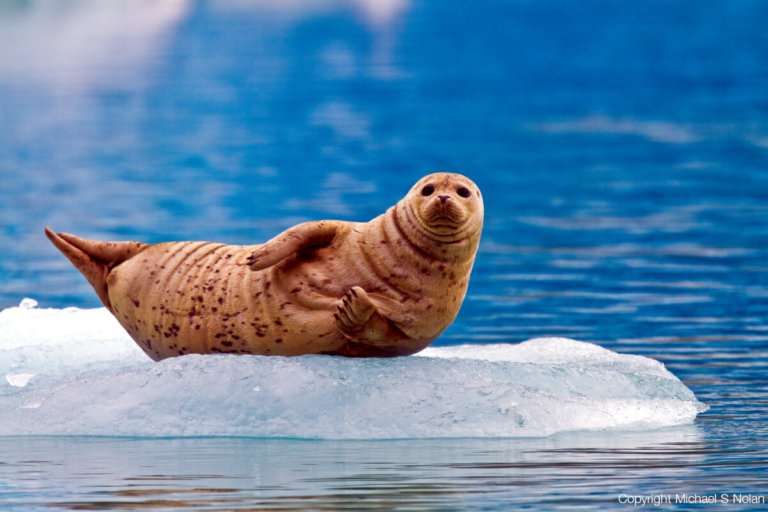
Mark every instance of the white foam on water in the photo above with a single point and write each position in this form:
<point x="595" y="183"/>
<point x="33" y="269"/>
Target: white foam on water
<point x="76" y="372"/>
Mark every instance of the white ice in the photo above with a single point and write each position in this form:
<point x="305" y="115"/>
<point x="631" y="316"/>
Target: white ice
<point x="76" y="372"/>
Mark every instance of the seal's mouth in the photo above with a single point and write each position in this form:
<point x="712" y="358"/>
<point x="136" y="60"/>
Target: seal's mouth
<point x="443" y="214"/>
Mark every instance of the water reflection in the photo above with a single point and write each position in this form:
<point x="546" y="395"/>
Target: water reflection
<point x="378" y="13"/>
<point x="93" y="473"/>
<point x="76" y="46"/>
<point x="83" y="45"/>
<point x="658" y="131"/>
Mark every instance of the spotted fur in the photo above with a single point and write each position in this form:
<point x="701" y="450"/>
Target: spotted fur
<point x="387" y="287"/>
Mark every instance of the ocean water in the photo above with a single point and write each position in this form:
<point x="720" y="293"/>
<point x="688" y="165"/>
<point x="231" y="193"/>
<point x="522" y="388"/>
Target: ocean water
<point x="611" y="352"/>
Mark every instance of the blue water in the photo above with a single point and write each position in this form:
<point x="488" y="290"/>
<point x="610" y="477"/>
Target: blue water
<point x="622" y="150"/>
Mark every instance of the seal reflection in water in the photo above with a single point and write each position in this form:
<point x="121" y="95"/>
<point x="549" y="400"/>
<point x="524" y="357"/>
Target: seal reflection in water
<point x="387" y="287"/>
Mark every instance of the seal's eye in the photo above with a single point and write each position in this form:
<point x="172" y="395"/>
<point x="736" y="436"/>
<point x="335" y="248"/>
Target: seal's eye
<point x="463" y="192"/>
<point x="426" y="191"/>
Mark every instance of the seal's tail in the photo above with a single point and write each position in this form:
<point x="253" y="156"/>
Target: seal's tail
<point x="94" y="259"/>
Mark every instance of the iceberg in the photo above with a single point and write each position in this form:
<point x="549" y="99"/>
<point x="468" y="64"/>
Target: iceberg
<point x="77" y="372"/>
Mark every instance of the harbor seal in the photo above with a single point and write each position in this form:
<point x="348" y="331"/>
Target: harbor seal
<point x="383" y="288"/>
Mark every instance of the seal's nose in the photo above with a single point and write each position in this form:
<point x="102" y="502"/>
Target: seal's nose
<point x="443" y="198"/>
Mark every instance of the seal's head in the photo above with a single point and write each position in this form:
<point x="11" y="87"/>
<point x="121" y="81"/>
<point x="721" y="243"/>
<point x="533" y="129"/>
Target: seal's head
<point x="447" y="206"/>
<point x="442" y="215"/>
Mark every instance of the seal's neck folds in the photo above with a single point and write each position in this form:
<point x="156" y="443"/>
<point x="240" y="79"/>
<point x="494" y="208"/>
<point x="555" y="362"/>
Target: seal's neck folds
<point x="455" y="246"/>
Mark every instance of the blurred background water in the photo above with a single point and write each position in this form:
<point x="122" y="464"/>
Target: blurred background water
<point x="622" y="150"/>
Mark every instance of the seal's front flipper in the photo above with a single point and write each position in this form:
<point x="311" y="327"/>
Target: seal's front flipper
<point x="354" y="312"/>
<point x="293" y="240"/>
<point x="360" y="321"/>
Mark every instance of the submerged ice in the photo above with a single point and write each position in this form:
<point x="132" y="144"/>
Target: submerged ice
<point x="76" y="372"/>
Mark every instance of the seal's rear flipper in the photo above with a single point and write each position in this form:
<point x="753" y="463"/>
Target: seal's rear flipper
<point x="94" y="259"/>
<point x="110" y="253"/>
<point x="95" y="272"/>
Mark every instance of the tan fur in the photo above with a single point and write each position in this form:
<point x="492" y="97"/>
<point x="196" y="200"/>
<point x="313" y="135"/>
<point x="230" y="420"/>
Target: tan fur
<point x="387" y="287"/>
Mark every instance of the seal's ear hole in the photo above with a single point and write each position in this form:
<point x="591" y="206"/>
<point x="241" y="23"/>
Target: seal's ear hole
<point x="463" y="192"/>
<point x="427" y="190"/>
